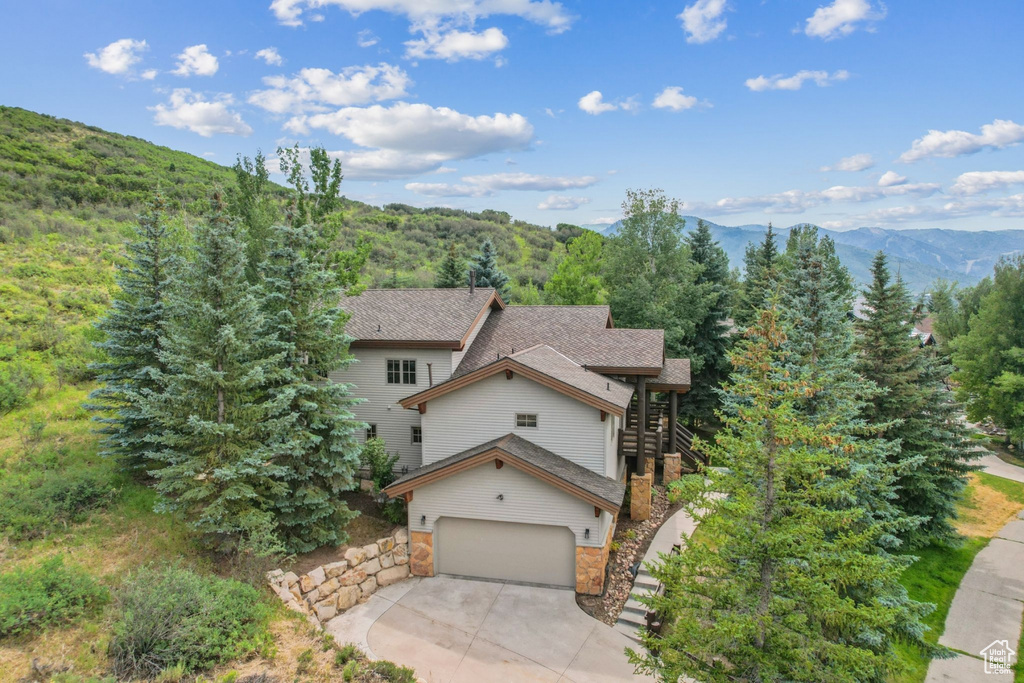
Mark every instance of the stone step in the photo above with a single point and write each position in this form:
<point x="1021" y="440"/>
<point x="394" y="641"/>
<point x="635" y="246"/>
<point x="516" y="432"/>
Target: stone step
<point x="635" y="607"/>
<point x="645" y="586"/>
<point x="628" y="629"/>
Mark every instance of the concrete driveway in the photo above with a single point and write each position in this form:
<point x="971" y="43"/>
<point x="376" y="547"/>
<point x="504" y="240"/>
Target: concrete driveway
<point x="461" y="630"/>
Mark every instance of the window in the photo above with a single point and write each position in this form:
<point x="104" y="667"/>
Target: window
<point x="401" y="372"/>
<point x="526" y="420"/>
<point x="371" y="432"/>
<point x="417" y="435"/>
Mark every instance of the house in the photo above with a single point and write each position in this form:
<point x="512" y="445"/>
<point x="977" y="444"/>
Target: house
<point x="515" y="427"/>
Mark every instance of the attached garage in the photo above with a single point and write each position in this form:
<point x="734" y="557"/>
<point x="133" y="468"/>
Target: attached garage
<point x="527" y="553"/>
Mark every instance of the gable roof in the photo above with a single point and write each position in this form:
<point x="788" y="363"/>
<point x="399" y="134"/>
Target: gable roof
<point x="582" y="333"/>
<point x="528" y="457"/>
<point x="417" y="318"/>
<point x="548" y="367"/>
<point x="675" y="376"/>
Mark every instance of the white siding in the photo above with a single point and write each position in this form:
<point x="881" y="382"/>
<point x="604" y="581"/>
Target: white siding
<point x="458" y="355"/>
<point x="486" y="410"/>
<point x="394" y="423"/>
<point x="473" y="494"/>
<point x="611" y="447"/>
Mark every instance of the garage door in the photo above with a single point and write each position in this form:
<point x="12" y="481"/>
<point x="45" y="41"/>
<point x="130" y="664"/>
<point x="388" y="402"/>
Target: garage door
<point x="528" y="553"/>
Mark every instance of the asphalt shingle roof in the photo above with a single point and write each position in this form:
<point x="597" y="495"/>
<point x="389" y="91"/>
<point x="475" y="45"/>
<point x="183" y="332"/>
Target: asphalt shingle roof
<point x="676" y="373"/>
<point x="442" y="316"/>
<point x="547" y="360"/>
<point x="578" y="332"/>
<point x="606" y="489"/>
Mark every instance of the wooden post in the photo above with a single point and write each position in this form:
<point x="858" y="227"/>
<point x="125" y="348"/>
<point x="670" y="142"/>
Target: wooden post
<point x="673" y="410"/>
<point x="641" y="424"/>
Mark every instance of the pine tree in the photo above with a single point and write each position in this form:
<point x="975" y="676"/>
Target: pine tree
<point x="763" y="594"/>
<point x="487" y="272"/>
<point x="916" y="411"/>
<point x="209" y="415"/>
<point x="134" y="328"/>
<point x="310" y="428"/>
<point x="710" y="341"/>
<point x="760" y="264"/>
<point x="254" y="206"/>
<point x="452" y="271"/>
<point x="577" y="279"/>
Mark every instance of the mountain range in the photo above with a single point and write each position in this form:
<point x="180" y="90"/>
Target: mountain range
<point x="921" y="256"/>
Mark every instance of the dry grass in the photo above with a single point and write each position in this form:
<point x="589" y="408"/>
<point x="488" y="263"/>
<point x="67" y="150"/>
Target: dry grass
<point x="984" y="509"/>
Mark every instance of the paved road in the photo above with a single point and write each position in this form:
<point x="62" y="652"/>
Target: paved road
<point x="456" y="630"/>
<point x="989" y="604"/>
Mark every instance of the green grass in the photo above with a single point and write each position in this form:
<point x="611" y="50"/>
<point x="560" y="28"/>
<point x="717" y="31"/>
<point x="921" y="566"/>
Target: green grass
<point x="1014" y="490"/>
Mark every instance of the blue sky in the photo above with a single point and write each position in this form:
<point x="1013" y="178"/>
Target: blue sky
<point x="843" y="113"/>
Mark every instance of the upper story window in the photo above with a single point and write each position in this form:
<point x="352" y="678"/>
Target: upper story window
<point x="417" y="435"/>
<point x="526" y="420"/>
<point x="401" y="372"/>
<point x="371" y="432"/>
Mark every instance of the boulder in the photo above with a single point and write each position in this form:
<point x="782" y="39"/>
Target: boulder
<point x="386" y="577"/>
<point x="283" y="593"/>
<point x="371" y="550"/>
<point x="314" y="622"/>
<point x="371" y="567"/>
<point x="294" y="606"/>
<point x="365" y="484"/>
<point x="387" y="560"/>
<point x="355" y="556"/>
<point x="325" y="609"/>
<point x="368" y="586"/>
<point x="318" y="575"/>
<point x="290" y="579"/>
<point x="348" y="596"/>
<point x="296" y="593"/>
<point x="386" y="544"/>
<point x="335" y="569"/>
<point x="401" y="554"/>
<point x="352" y="577"/>
<point x="328" y="587"/>
<point x="402" y="536"/>
<point x="306" y="583"/>
<point x="275" y="576"/>
<point x="313" y="597"/>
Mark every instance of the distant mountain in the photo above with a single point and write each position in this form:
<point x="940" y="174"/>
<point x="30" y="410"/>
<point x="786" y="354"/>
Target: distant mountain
<point x="921" y="256"/>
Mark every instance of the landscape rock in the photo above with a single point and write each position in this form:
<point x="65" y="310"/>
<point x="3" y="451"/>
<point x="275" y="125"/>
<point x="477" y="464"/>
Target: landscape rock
<point x="294" y="606"/>
<point x="352" y="577"/>
<point x="313" y="596"/>
<point x="365" y="484"/>
<point x="368" y="586"/>
<point x="290" y="579"/>
<point x="355" y="556"/>
<point x="371" y="567"/>
<point x="276" y="575"/>
<point x="296" y="593"/>
<point x="386" y="577"/>
<point x="387" y="560"/>
<point x="306" y="583"/>
<point x="401" y="554"/>
<point x="314" y="622"/>
<point x="401" y="536"/>
<point x="348" y="596"/>
<point x="335" y="569"/>
<point x="325" y="609"/>
<point x="371" y="550"/>
<point x="328" y="587"/>
<point x="386" y="544"/>
<point x="318" y="575"/>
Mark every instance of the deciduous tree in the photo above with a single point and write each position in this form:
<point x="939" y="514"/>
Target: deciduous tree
<point x="577" y="279"/>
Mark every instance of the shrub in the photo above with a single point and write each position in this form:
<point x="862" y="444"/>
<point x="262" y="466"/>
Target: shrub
<point x="46" y="595"/>
<point x="380" y="462"/>
<point x="171" y="615"/>
<point x="394" y="511"/>
<point x="346" y="654"/>
<point x="389" y="671"/>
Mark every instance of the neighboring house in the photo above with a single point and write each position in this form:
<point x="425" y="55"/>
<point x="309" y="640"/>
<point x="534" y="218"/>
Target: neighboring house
<point x="513" y="426"/>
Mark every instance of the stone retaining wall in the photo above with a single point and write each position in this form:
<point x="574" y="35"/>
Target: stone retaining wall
<point x="333" y="588"/>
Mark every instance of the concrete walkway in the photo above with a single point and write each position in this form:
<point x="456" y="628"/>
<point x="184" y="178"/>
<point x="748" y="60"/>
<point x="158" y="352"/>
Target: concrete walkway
<point x="453" y="630"/>
<point x="989" y="604"/>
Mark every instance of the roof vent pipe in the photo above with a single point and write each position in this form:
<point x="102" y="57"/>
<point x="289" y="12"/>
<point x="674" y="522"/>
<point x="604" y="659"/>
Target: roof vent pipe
<point x="472" y="280"/>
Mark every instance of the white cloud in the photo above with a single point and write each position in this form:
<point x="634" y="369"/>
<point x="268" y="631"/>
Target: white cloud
<point x="188" y="110"/>
<point x="196" y="60"/>
<point x="270" y="55"/>
<point x="488" y="185"/>
<point x="703" y="21"/>
<point x="796" y="81"/>
<point x="857" y="162"/>
<point x="454" y="45"/>
<point x="891" y="178"/>
<point x="313" y="89"/>
<point x="546" y="13"/>
<point x="366" y="38"/>
<point x="953" y="143"/>
<point x="148" y="74"/>
<point x="119" y="57"/>
<point x="593" y="103"/>
<point x="673" y="98"/>
<point x="557" y="202"/>
<point x="978" y="182"/>
<point x="798" y="201"/>
<point x="841" y="18"/>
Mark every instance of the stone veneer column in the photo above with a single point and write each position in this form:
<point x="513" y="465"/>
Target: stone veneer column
<point x="590" y="566"/>
<point x="421" y="555"/>
<point x="640" y="496"/>
<point x="673" y="467"/>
